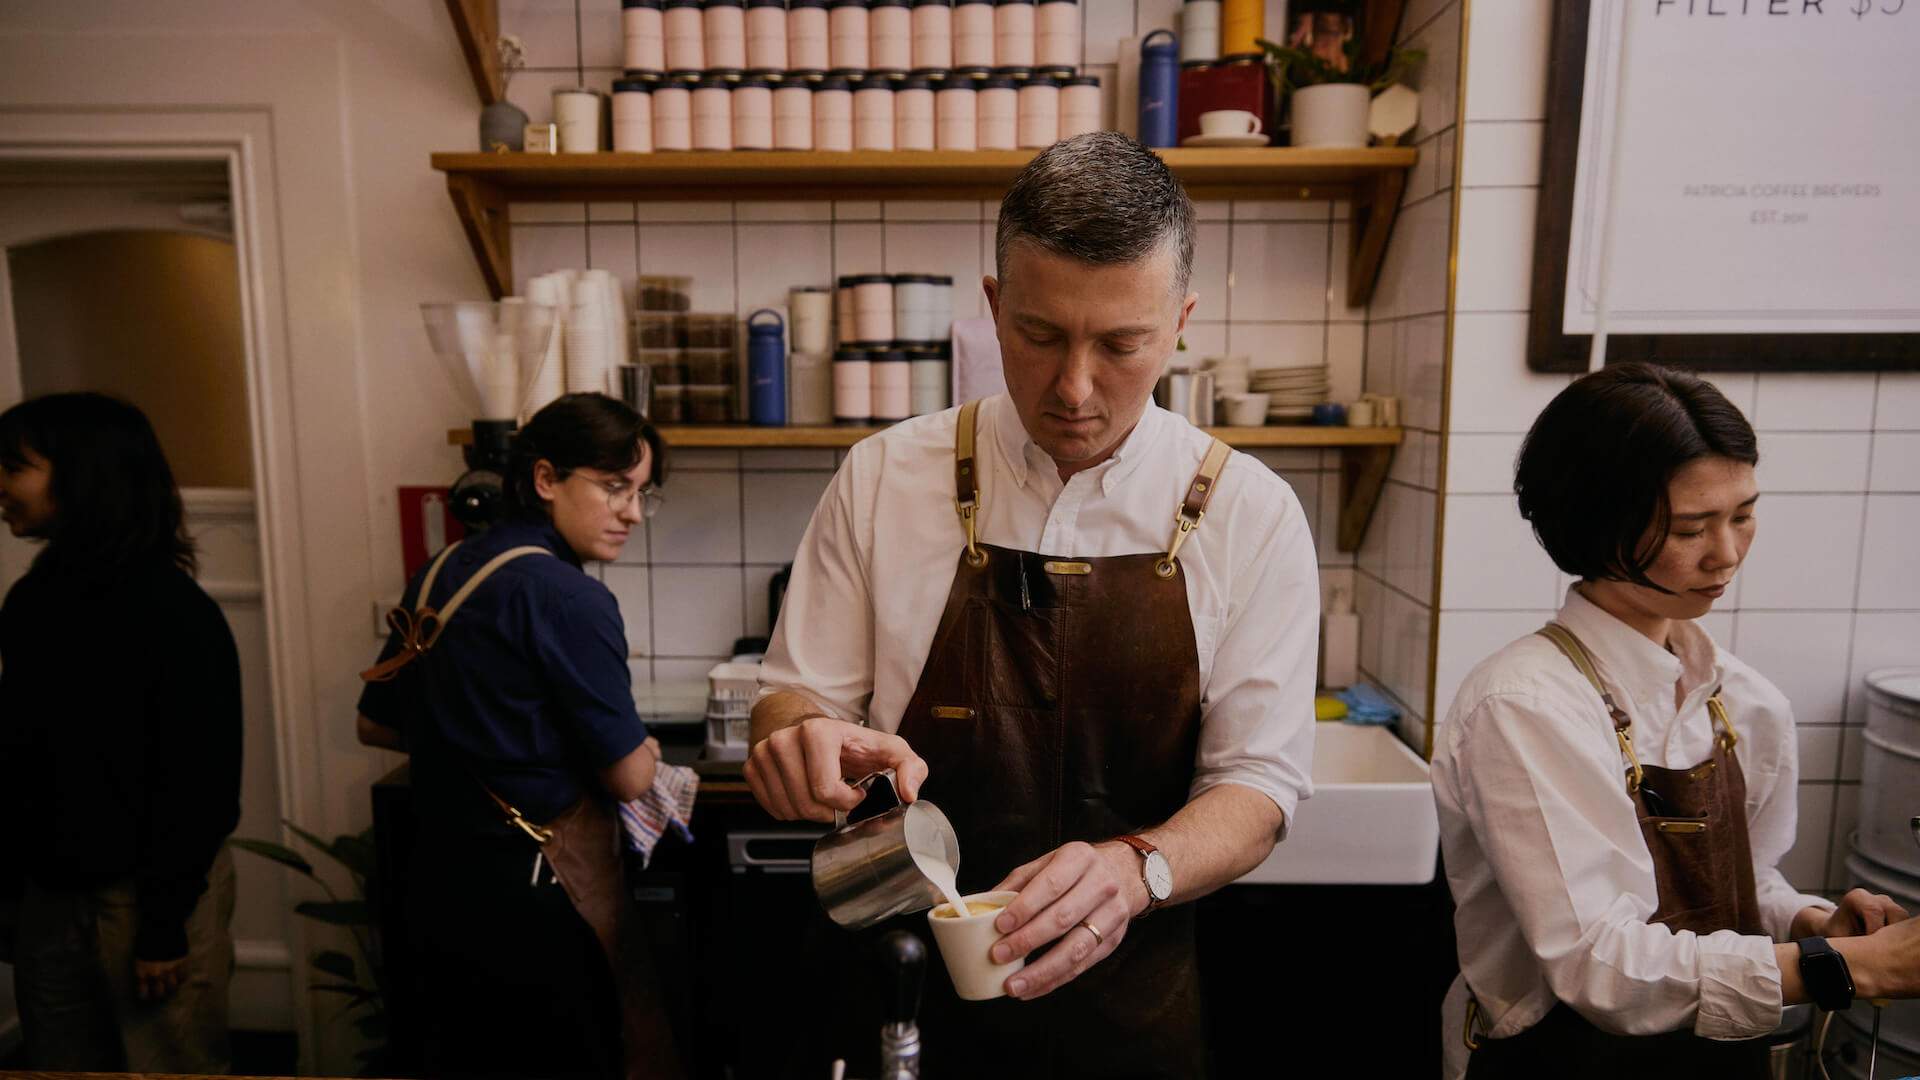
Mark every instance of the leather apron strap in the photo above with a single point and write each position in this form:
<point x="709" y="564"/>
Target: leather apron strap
<point x="966" y="500"/>
<point x="421" y="627"/>
<point x="1570" y="646"/>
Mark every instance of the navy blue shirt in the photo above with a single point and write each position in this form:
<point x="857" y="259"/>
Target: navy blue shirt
<point x="527" y="689"/>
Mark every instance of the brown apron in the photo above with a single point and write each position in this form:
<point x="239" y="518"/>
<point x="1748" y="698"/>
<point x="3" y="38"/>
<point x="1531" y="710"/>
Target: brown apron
<point x="582" y="844"/>
<point x="1694" y="822"/>
<point x="1061" y="701"/>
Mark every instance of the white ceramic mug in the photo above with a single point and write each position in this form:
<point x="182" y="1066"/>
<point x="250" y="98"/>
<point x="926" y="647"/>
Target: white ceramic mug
<point x="965" y="942"/>
<point x="1229" y="122"/>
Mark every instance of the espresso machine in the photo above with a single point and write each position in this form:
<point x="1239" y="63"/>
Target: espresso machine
<point x="493" y="352"/>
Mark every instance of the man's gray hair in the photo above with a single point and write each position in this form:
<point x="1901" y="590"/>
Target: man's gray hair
<point x="1102" y="198"/>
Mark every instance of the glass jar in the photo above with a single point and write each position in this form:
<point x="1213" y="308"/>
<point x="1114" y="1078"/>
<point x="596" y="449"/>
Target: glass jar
<point x="873" y="113"/>
<point x="686" y="35"/>
<point x="956" y="125"/>
<point x="713" y="110"/>
<point x="767" y="34"/>
<point x="832" y="114"/>
<point x="848" y="34"/>
<point x="889" y="34"/>
<point x="973" y="33"/>
<point x="913" y="114"/>
<point x="1056" y="38"/>
<point x="932" y="33"/>
<point x="753" y="113"/>
<point x="726" y="28"/>
<point x="793" y="111"/>
<point x="1013" y="33"/>
<point x="807" y="35"/>
<point x="643" y="35"/>
<point x="633" y="113"/>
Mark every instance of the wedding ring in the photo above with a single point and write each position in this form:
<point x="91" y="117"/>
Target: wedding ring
<point x="1098" y="937"/>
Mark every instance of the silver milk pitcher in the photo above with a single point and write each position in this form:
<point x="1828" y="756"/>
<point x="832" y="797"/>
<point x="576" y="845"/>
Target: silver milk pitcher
<point x="868" y="871"/>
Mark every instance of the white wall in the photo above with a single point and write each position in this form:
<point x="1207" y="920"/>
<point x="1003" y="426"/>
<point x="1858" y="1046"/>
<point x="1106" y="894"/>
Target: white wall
<point x="1406" y="334"/>
<point x="1829" y="591"/>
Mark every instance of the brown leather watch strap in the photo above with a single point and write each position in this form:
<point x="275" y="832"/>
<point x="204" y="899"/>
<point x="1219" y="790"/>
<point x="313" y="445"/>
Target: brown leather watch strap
<point x="1138" y="845"/>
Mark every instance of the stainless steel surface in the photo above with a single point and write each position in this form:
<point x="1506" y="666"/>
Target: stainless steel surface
<point x="868" y="871"/>
<point x="1188" y="393"/>
<point x="787" y="851"/>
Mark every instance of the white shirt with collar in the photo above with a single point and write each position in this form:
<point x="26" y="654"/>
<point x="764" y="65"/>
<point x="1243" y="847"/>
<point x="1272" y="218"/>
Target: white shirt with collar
<point x="871" y="578"/>
<point x="1552" y="881"/>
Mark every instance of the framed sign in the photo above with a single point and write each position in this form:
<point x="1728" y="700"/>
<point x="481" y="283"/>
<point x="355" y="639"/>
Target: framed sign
<point x="1734" y="183"/>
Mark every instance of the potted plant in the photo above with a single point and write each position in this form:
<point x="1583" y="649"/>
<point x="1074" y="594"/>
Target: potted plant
<point x="363" y="981"/>
<point x="1330" y="84"/>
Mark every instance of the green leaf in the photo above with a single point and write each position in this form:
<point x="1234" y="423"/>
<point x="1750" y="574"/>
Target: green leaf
<point x="372" y="1025"/>
<point x="285" y="856"/>
<point x="359" y="994"/>
<point x="335" y="962"/>
<point x="355" y="853"/>
<point x="336" y="912"/>
<point x="317" y="843"/>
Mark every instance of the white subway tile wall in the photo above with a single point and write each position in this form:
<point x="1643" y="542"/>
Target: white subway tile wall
<point x="1829" y="591"/>
<point x="1404" y="343"/>
<point x="1271" y="276"/>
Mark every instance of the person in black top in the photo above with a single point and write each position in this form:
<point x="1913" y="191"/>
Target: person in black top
<point x="525" y="699"/>
<point x="120" y="733"/>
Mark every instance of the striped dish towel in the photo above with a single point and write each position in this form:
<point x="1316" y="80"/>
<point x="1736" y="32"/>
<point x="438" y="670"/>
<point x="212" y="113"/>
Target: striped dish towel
<point x="667" y="804"/>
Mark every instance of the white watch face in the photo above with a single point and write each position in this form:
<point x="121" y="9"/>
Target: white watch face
<point x="1159" y="876"/>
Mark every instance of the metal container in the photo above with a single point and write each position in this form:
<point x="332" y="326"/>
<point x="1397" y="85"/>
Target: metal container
<point x="867" y="871"/>
<point x="1189" y="393"/>
<point x="1890" y="769"/>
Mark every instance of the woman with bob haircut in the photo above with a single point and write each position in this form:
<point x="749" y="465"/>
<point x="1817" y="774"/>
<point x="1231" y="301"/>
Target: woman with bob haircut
<point x="1616" y="791"/>
<point x="506" y="680"/>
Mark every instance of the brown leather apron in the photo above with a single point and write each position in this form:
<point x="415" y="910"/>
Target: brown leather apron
<point x="1694" y="822"/>
<point x="581" y="844"/>
<point x="1061" y="701"/>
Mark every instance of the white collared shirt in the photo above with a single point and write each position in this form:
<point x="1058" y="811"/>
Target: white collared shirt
<point x="871" y="578"/>
<point x="1552" y="880"/>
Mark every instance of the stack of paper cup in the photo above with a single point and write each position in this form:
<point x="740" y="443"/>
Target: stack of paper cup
<point x="588" y="356"/>
<point x="548" y="380"/>
<point x="613" y="318"/>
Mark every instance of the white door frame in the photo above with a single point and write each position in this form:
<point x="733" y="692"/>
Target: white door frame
<point x="273" y="108"/>
<point x="279" y="546"/>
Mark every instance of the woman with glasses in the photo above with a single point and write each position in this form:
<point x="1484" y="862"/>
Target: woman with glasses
<point x="506" y="679"/>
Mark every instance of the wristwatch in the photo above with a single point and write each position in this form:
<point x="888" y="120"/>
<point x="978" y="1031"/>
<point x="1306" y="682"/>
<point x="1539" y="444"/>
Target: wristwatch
<point x="1155" y="873"/>
<point x="1825" y="973"/>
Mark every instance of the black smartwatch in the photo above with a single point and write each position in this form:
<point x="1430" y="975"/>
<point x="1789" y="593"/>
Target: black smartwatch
<point x="1824" y="971"/>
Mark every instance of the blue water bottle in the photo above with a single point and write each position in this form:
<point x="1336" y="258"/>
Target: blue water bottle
<point x="766" y="369"/>
<point x="1160" y="89"/>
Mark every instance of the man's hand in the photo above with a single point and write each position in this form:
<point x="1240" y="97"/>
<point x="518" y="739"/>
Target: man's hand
<point x="800" y="772"/>
<point x="158" y="979"/>
<point x="1860" y="912"/>
<point x="1079" y="882"/>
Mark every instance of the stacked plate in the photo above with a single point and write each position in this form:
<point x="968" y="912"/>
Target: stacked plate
<point x="1292" y="391"/>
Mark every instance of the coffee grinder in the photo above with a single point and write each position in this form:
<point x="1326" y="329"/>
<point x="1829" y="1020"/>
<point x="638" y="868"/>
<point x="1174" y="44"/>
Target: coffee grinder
<point x="493" y="352"/>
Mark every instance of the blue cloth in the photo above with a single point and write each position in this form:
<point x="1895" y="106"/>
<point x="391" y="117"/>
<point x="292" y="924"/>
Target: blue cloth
<point x="526" y="690"/>
<point x="1365" y="705"/>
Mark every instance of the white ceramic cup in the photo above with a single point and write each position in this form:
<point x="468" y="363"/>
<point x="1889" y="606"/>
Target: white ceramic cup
<point x="1246" y="410"/>
<point x="1229" y="122"/>
<point x="964" y="944"/>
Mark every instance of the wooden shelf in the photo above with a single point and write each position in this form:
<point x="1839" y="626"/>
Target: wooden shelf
<point x="484" y="186"/>
<point x="1365" y="453"/>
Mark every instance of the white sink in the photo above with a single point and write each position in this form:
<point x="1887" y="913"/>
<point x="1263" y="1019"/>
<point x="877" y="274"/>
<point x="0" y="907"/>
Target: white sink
<point x="1371" y="820"/>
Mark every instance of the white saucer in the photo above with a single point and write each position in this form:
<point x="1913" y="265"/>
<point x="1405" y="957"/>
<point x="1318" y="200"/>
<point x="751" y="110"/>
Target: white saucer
<point x="1224" y="140"/>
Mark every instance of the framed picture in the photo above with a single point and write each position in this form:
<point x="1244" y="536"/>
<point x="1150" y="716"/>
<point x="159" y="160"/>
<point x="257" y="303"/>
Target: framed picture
<point x="1736" y="183"/>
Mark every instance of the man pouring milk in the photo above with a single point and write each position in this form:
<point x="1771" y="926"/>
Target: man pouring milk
<point x="1080" y="626"/>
